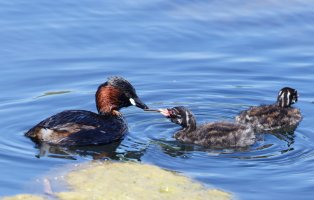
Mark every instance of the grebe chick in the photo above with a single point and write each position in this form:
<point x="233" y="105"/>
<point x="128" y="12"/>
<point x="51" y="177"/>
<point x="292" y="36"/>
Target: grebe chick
<point x="81" y="127"/>
<point x="213" y="135"/>
<point x="278" y="116"/>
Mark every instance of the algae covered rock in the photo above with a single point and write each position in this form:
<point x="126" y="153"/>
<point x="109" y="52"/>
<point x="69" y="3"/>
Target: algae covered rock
<point x="133" y="181"/>
<point x="125" y="181"/>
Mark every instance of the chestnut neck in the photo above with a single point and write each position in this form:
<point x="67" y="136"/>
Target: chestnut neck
<point x="107" y="100"/>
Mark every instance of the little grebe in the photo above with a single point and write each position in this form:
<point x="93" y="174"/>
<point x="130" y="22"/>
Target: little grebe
<point x="213" y="135"/>
<point x="278" y="116"/>
<point x="80" y="127"/>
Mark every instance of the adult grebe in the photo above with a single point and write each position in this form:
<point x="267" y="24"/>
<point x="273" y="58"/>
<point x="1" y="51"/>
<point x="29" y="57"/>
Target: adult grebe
<point x="81" y="127"/>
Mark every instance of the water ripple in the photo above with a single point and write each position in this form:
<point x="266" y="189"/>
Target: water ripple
<point x="216" y="57"/>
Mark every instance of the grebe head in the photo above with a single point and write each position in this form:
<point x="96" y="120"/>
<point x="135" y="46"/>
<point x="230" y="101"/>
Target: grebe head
<point x="180" y="115"/>
<point x="115" y="94"/>
<point x="287" y="96"/>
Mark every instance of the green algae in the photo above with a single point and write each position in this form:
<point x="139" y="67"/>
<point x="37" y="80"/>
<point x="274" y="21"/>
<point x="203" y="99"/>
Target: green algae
<point x="128" y="181"/>
<point x="53" y="93"/>
<point x="132" y="181"/>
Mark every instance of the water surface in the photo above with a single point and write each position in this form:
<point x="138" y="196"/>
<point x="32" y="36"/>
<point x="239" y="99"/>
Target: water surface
<point x="216" y="57"/>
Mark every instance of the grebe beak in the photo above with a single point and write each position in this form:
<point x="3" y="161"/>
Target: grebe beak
<point x="165" y="112"/>
<point x="138" y="103"/>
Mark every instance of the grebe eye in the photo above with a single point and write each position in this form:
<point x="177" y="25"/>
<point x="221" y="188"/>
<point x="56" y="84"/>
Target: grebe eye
<point x="179" y="116"/>
<point x="173" y="114"/>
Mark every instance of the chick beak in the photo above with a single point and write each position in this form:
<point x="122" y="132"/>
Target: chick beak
<point x="138" y="103"/>
<point x="165" y="112"/>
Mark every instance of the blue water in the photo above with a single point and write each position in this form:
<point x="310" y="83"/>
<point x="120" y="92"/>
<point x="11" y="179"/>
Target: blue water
<point x="216" y="57"/>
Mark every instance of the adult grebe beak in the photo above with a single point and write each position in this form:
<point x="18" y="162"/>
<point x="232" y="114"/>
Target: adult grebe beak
<point x="138" y="103"/>
<point x="165" y="112"/>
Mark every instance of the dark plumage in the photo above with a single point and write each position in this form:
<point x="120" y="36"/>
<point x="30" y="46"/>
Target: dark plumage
<point x="213" y="135"/>
<point x="279" y="116"/>
<point x="80" y="127"/>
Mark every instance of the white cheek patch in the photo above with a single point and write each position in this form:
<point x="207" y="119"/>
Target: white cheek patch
<point x="132" y="102"/>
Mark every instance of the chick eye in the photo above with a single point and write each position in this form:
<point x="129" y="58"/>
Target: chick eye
<point x="179" y="116"/>
<point x="174" y="115"/>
